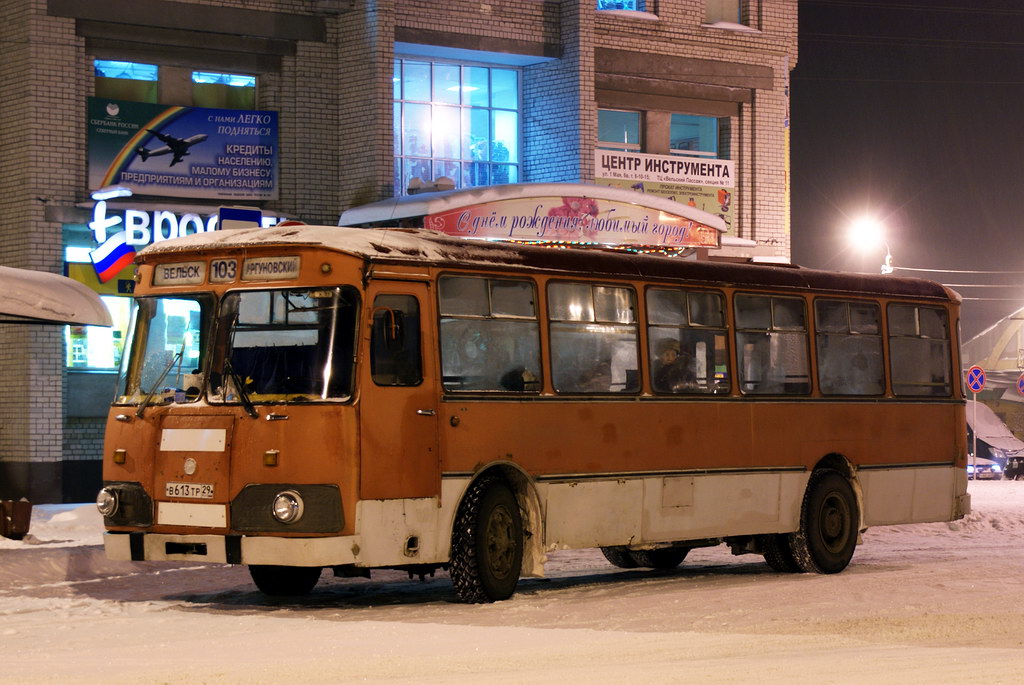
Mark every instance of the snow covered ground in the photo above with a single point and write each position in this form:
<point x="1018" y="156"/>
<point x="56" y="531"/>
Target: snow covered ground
<point x="930" y="603"/>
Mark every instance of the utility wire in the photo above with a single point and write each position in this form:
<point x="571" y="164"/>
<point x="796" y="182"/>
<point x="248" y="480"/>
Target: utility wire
<point x="954" y="271"/>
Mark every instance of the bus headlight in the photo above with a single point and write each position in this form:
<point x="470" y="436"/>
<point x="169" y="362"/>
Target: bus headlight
<point x="287" y="506"/>
<point x="106" y="502"/>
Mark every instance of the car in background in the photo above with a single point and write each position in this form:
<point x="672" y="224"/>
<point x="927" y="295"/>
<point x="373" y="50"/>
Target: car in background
<point x="983" y="469"/>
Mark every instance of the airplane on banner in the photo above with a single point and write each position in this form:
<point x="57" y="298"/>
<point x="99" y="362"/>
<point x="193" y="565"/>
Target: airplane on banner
<point x="176" y="146"/>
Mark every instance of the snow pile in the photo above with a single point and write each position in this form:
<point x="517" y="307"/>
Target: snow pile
<point x="61" y="525"/>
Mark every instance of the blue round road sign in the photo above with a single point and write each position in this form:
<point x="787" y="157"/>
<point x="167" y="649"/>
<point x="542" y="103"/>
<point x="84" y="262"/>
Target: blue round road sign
<point x="976" y="378"/>
<point x="1020" y="384"/>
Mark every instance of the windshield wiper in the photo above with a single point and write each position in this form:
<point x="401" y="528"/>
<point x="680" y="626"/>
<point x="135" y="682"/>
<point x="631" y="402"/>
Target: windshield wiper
<point x="159" y="381"/>
<point x="250" y="408"/>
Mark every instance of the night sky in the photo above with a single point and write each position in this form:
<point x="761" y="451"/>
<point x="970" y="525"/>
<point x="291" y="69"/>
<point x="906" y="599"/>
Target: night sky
<point x="912" y="111"/>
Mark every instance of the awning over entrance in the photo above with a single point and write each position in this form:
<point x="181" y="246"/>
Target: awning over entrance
<point x="991" y="429"/>
<point x="43" y="298"/>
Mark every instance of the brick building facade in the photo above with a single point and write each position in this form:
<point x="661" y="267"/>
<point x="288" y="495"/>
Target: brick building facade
<point x="328" y="68"/>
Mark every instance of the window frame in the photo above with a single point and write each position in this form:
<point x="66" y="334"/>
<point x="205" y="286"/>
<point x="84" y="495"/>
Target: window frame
<point x="724" y="329"/>
<point x="819" y="334"/>
<point x="622" y="146"/>
<point x="399" y="104"/>
<point x="552" y="323"/>
<point x="948" y="340"/>
<point x="773" y="328"/>
<point x="536" y="384"/>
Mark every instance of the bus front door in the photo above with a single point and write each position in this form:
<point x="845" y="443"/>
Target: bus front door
<point x="398" y="396"/>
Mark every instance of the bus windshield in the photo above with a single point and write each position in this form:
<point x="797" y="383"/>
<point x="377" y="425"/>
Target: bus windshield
<point x="167" y="340"/>
<point x="284" y="346"/>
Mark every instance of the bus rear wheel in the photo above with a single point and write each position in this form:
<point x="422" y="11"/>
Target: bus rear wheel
<point x="664" y="558"/>
<point x="829" y="523"/>
<point x="487" y="543"/>
<point x="778" y="554"/>
<point x="283" y="581"/>
<point x="619" y="556"/>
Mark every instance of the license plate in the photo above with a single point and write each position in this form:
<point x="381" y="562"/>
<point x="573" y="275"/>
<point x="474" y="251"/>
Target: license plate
<point x="191" y="490"/>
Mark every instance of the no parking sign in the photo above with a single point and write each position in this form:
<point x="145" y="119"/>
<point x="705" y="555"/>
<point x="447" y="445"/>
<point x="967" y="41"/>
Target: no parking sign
<point x="976" y="379"/>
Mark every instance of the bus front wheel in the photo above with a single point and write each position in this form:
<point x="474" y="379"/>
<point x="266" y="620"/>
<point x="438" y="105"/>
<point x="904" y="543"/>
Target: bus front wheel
<point x="829" y="522"/>
<point x="487" y="543"/>
<point x="282" y="581"/>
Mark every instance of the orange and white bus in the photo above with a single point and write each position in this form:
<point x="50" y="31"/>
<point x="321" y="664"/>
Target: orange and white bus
<point x="302" y="398"/>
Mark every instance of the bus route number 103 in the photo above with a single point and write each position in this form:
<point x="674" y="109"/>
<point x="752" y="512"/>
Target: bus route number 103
<point x="223" y="270"/>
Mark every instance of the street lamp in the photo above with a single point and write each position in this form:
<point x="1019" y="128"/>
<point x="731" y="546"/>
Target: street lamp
<point x="867" y="232"/>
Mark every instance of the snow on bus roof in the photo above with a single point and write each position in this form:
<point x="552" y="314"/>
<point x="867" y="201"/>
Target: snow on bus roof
<point x="394" y="244"/>
<point x="424" y="204"/>
<point x="420" y="246"/>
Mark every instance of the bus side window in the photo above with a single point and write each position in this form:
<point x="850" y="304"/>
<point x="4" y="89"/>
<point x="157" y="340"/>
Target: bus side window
<point x="771" y="339"/>
<point x="919" y="351"/>
<point x="395" y="341"/>
<point x="849" y="347"/>
<point x="594" y="338"/>
<point x="686" y="336"/>
<point x="489" y="335"/>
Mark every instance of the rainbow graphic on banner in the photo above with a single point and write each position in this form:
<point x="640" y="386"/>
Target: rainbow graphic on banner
<point x="130" y="148"/>
<point x="113" y="255"/>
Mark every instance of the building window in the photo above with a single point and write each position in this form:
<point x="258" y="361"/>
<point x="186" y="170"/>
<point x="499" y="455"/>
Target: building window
<point x="223" y="91"/>
<point x="635" y="5"/>
<point x="126" y="80"/>
<point x="693" y="135"/>
<point x="455" y="120"/>
<point x="95" y="347"/>
<point x="618" y="130"/>
<point x="724" y="12"/>
<point x="98" y="347"/>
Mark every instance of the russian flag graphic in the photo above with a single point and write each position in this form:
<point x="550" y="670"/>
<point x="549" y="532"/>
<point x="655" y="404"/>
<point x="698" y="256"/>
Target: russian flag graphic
<point x="113" y="255"/>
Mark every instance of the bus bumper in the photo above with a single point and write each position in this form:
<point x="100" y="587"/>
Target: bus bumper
<point x="232" y="549"/>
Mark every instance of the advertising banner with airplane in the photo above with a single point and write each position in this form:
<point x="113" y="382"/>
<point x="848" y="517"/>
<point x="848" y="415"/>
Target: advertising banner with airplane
<point x="175" y="151"/>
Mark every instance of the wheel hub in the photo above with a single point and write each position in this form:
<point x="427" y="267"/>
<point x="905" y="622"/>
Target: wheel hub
<point x="500" y="543"/>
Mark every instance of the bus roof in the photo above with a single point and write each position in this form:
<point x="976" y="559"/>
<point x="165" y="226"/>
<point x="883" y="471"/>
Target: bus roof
<point x="423" y="204"/>
<point x="424" y="247"/>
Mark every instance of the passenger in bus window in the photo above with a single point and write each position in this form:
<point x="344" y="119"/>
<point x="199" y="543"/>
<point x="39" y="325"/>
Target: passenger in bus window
<point x="672" y="370"/>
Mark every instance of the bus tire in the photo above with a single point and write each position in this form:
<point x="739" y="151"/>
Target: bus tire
<point x="283" y="581"/>
<point x="778" y="554"/>
<point x="619" y="556"/>
<point x="487" y="543"/>
<point x="829" y="522"/>
<point x="664" y="558"/>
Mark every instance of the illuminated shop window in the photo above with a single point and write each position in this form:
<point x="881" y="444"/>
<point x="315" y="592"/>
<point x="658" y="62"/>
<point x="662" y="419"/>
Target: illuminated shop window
<point x="693" y="135"/>
<point x="223" y="91"/>
<point x="618" y="130"/>
<point x="95" y="348"/>
<point x="126" y="80"/>
<point x="455" y="120"/>
<point x="636" y="5"/>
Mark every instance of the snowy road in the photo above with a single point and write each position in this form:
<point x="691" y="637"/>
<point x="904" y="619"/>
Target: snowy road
<point x="932" y="603"/>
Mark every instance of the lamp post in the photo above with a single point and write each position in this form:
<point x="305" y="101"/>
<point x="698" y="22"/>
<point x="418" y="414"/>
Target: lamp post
<point x="867" y="232"/>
